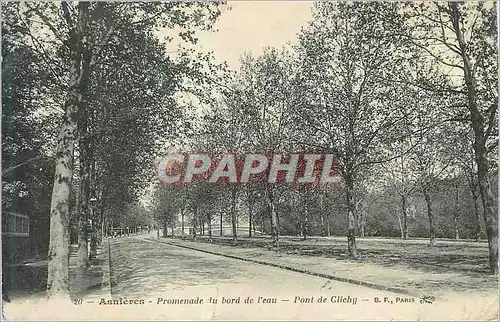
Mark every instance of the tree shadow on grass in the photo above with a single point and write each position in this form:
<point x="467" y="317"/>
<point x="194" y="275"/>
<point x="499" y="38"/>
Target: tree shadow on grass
<point x="441" y="259"/>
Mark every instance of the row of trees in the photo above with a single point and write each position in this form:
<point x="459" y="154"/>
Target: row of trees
<point x="404" y="95"/>
<point x="90" y="96"/>
<point x="319" y="212"/>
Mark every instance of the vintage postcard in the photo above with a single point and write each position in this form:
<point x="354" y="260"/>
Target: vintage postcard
<point x="250" y="160"/>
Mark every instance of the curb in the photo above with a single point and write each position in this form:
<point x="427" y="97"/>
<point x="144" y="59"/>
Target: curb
<point x="303" y="271"/>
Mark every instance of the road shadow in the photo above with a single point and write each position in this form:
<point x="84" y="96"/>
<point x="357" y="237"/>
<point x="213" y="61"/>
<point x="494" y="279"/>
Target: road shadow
<point x="139" y="266"/>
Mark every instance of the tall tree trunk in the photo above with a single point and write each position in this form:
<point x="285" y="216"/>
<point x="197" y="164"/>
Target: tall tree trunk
<point x="233" y="216"/>
<point x="322" y="222"/>
<point x="360" y="215"/>
<point x="306" y="217"/>
<point x="405" y="217"/>
<point x="103" y="221"/>
<point x="195" y="215"/>
<point x="430" y="214"/>
<point x="95" y="217"/>
<point x="273" y="218"/>
<point x="351" y="217"/>
<point x="210" y="228"/>
<point x="321" y="215"/>
<point x="182" y="221"/>
<point x="480" y="152"/>
<point x="85" y="178"/>
<point x="491" y="220"/>
<point x="164" y="234"/>
<point x="455" y="213"/>
<point x="93" y="236"/>
<point x="249" y="225"/>
<point x="455" y="224"/>
<point x="401" y="227"/>
<point x="82" y="254"/>
<point x="221" y="213"/>
<point x="250" y="218"/>
<point x="477" y="217"/>
<point x="58" y="255"/>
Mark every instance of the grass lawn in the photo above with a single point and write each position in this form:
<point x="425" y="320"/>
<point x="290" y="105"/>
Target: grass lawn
<point x="448" y="267"/>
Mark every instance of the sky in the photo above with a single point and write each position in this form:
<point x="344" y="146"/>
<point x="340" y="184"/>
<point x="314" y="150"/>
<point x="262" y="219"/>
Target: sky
<point x="250" y="26"/>
<point x="253" y="25"/>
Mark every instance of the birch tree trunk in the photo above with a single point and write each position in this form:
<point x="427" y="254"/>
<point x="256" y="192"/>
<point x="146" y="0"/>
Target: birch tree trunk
<point x="306" y="217"/>
<point x="455" y="214"/>
<point x="273" y="217"/>
<point x="477" y="216"/>
<point x="164" y="235"/>
<point x="84" y="158"/>
<point x="405" y="218"/>
<point x="182" y="221"/>
<point x="233" y="215"/>
<point x="195" y="215"/>
<point x="93" y="236"/>
<point x="58" y="255"/>
<point x="83" y="261"/>
<point x="95" y="217"/>
<point x="401" y="227"/>
<point x="250" y="218"/>
<point x="321" y="215"/>
<point x="221" y="213"/>
<point x="430" y="214"/>
<point x="253" y="225"/>
<point x="351" y="217"/>
<point x="210" y="228"/>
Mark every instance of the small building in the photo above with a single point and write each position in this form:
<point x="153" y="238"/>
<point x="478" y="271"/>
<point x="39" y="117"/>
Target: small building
<point x="15" y="237"/>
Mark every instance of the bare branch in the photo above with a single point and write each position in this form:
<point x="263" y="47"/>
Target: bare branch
<point x="41" y="49"/>
<point x="10" y="169"/>
<point x="47" y="22"/>
<point x="152" y="17"/>
<point x="421" y="86"/>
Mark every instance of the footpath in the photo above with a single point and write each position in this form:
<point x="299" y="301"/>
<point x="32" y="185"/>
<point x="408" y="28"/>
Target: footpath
<point x="398" y="278"/>
<point x="95" y="283"/>
<point x="28" y="301"/>
<point x="28" y="280"/>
